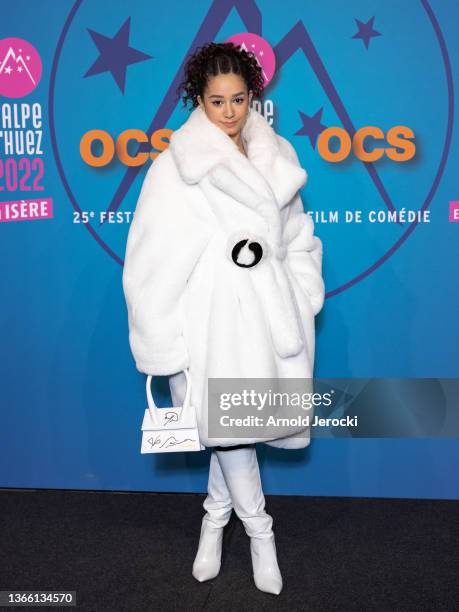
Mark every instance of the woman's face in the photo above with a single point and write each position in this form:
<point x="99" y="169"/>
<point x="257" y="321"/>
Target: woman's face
<point x="226" y="102"/>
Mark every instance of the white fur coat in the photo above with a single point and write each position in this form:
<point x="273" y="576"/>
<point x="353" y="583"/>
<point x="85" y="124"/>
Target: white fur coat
<point x="205" y="214"/>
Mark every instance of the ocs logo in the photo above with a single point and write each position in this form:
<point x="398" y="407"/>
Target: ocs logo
<point x="109" y="147"/>
<point x="402" y="149"/>
<point x="400" y="137"/>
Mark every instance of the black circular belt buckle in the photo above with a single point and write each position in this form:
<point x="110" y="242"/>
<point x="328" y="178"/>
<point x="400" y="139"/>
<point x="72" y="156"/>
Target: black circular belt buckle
<point x="246" y="250"/>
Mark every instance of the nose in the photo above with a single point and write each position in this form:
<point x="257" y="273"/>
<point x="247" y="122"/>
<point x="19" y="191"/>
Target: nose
<point x="229" y="112"/>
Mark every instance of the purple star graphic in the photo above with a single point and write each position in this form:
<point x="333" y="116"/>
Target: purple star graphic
<point x="312" y="126"/>
<point x="366" y="32"/>
<point x="115" y="54"/>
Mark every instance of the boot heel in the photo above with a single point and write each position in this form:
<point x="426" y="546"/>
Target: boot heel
<point x="266" y="573"/>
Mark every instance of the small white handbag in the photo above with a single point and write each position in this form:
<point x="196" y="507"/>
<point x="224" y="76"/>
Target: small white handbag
<point x="166" y="430"/>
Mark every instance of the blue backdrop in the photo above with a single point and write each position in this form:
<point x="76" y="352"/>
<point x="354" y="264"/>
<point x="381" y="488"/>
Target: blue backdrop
<point x="72" y="400"/>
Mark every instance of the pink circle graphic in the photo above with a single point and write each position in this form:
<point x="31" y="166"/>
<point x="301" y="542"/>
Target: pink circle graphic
<point x="20" y="67"/>
<point x="260" y="48"/>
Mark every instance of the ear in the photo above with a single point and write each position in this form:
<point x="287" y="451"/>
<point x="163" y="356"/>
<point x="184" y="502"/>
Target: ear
<point x="200" y="102"/>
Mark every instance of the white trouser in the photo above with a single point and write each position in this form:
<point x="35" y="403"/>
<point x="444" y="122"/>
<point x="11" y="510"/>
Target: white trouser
<point x="242" y="477"/>
<point x="218" y="504"/>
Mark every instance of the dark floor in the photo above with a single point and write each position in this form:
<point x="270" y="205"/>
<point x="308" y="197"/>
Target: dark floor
<point x="134" y="552"/>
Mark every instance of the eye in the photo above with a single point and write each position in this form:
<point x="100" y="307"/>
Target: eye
<point x="237" y="100"/>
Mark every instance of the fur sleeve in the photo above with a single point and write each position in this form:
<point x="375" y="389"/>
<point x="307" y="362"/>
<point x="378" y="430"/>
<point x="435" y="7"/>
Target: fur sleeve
<point x="164" y="243"/>
<point x="304" y="254"/>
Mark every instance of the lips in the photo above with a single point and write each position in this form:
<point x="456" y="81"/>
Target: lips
<point x="231" y="123"/>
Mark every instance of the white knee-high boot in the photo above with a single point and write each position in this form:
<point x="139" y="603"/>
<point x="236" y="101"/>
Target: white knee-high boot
<point x="242" y="475"/>
<point x="218" y="508"/>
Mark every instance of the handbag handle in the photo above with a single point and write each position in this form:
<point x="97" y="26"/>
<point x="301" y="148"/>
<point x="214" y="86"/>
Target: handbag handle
<point x="152" y="407"/>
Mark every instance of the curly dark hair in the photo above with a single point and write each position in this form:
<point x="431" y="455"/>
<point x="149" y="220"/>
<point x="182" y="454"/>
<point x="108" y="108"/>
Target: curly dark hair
<point x="219" y="58"/>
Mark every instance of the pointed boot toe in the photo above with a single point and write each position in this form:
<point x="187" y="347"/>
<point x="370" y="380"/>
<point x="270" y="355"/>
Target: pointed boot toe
<point x="266" y="573"/>
<point x="208" y="558"/>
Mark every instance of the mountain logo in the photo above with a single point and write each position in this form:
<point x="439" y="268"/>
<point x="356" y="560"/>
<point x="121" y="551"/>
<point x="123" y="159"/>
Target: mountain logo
<point x="20" y="67"/>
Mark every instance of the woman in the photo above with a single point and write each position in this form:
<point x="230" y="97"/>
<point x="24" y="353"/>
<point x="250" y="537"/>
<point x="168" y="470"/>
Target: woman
<point x="222" y="276"/>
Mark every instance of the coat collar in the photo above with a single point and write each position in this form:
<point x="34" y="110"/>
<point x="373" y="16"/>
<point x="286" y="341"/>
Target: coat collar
<point x="199" y="145"/>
